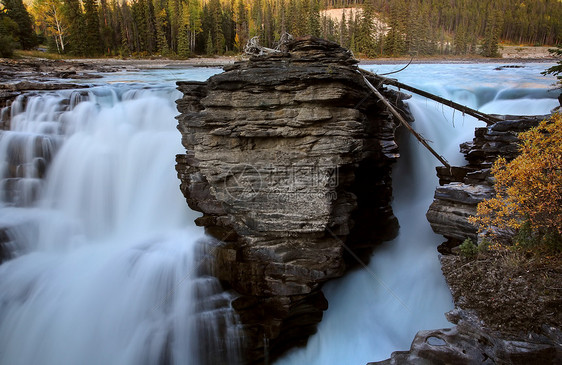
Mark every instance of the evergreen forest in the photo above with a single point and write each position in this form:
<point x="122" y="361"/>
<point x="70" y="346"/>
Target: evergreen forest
<point x="184" y="28"/>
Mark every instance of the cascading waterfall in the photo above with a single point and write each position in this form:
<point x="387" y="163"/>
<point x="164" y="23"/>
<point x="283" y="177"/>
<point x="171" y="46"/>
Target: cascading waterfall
<point x="378" y="309"/>
<point x="105" y="265"/>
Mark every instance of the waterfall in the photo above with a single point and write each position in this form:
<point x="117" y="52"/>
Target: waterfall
<point x="378" y="309"/>
<point x="104" y="264"/>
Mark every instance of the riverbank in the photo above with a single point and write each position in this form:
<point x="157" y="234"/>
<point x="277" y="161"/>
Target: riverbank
<point x="509" y="54"/>
<point x="39" y="71"/>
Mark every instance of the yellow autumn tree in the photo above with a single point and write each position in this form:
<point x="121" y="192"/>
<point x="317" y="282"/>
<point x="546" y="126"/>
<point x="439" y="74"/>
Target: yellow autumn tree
<point x="49" y="17"/>
<point x="529" y="188"/>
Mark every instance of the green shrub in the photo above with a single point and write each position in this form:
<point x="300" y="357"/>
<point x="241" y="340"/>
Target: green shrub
<point x="484" y="245"/>
<point x="468" y="249"/>
<point x="549" y="240"/>
<point x="7" y="46"/>
<point x="553" y="242"/>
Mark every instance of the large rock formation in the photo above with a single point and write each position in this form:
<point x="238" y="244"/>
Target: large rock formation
<point x="289" y="162"/>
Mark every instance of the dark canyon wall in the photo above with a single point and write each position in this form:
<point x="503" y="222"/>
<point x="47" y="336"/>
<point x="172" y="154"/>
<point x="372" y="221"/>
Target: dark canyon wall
<point x="288" y="157"/>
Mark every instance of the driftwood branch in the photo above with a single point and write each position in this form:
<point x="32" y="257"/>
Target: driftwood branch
<point x="402" y="69"/>
<point x="253" y="47"/>
<point x="488" y="119"/>
<point x="405" y="123"/>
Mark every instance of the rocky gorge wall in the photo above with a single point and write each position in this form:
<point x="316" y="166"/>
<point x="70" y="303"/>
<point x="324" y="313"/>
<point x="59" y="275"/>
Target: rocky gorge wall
<point x="463" y="187"/>
<point x="503" y="315"/>
<point x="289" y="160"/>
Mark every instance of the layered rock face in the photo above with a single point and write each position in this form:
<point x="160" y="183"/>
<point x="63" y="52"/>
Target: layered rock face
<point x="289" y="161"/>
<point x="473" y="341"/>
<point x="462" y="188"/>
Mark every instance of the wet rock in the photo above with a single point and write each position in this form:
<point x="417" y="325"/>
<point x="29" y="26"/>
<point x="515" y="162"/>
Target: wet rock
<point x="32" y="85"/>
<point x="463" y="187"/>
<point x="5" y="241"/>
<point x="10" y="90"/>
<point x="290" y="166"/>
<point x="499" y="139"/>
<point x="453" y="204"/>
<point x="471" y="342"/>
<point x="22" y="75"/>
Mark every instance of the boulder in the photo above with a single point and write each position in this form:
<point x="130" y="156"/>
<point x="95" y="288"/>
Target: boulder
<point x="290" y="164"/>
<point x="453" y="204"/>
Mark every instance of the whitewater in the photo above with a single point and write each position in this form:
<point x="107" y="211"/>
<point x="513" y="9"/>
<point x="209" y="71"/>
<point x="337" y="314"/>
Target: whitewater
<point x="104" y="263"/>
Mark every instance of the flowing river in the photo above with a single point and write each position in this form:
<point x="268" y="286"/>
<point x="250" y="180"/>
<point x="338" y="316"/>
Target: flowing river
<point x="102" y="261"/>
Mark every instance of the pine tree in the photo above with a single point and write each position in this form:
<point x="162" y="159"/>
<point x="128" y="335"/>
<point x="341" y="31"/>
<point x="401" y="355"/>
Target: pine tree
<point x="129" y="38"/>
<point x="493" y="29"/>
<point x="174" y="15"/>
<point x="24" y="34"/>
<point x="364" y="41"/>
<point x="228" y="25"/>
<point x="343" y="38"/>
<point x="395" y="39"/>
<point x="8" y="33"/>
<point x="92" y="28"/>
<point x="161" y="24"/>
<point x="76" y="26"/>
<point x="151" y="36"/>
<point x="266" y="38"/>
<point x="242" y="25"/>
<point x="215" y="12"/>
<point x="195" y="23"/>
<point x="415" y="26"/>
<point x="298" y="10"/>
<point x="143" y="18"/>
<point x="183" y="33"/>
<point x="107" y="34"/>
<point x="292" y="19"/>
<point x="314" y="18"/>
<point x="209" y="47"/>
<point x="459" y="41"/>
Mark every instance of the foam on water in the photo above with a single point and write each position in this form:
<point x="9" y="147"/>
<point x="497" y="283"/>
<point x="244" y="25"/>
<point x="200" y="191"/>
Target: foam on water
<point x="105" y="266"/>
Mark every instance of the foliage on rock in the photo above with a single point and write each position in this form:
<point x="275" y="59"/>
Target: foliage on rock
<point x="468" y="249"/>
<point x="528" y="189"/>
<point x="556" y="70"/>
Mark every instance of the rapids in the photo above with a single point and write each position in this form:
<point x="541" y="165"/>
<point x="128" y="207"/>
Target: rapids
<point x="378" y="309"/>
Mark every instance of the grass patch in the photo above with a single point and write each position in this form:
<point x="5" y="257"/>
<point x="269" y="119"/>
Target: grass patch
<point x="18" y="53"/>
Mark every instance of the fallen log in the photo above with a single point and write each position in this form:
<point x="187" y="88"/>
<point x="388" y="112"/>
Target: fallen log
<point x="405" y="123"/>
<point x="488" y="119"/>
